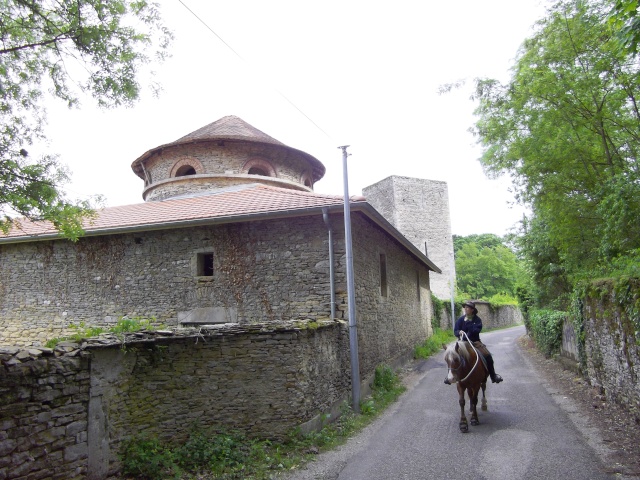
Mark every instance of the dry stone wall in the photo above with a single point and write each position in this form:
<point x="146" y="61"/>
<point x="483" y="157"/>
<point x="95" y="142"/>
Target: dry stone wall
<point x="64" y="414"/>
<point x="492" y="317"/>
<point x="612" y="342"/>
<point x="44" y="399"/>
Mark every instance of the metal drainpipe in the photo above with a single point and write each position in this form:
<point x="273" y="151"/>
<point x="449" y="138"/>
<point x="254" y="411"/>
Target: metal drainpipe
<point x="325" y="217"/>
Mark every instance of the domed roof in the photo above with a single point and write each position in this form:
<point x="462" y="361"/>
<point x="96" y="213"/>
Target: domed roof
<point x="232" y="129"/>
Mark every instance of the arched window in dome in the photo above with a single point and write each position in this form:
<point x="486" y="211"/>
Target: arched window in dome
<point x="186" y="166"/>
<point x="306" y="180"/>
<point x="259" y="166"/>
<point x="258" y="171"/>
<point x="185" y="170"/>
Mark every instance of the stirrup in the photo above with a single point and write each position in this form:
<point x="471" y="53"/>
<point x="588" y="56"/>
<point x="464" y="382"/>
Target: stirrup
<point x="496" y="378"/>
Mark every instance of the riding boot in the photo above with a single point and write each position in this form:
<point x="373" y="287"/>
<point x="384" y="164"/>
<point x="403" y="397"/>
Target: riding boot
<point x="495" y="378"/>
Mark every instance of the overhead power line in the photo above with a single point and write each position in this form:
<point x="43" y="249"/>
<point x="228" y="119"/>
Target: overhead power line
<point x="245" y="61"/>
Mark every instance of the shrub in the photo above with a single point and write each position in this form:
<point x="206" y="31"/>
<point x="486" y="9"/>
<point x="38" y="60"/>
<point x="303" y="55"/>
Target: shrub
<point x="439" y="306"/>
<point x="146" y="458"/>
<point x="546" y="330"/>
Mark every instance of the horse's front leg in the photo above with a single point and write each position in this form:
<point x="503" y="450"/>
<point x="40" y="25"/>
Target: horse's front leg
<point x="464" y="426"/>
<point x="473" y="399"/>
<point x="484" y="399"/>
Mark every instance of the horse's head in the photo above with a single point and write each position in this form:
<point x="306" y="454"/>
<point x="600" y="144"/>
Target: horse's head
<point x="455" y="362"/>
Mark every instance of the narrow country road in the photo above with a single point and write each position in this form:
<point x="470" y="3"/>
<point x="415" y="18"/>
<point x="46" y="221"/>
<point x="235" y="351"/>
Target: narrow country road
<point x="526" y="434"/>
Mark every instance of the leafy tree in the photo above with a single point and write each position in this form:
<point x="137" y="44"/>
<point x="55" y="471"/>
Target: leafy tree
<point x="566" y="127"/>
<point x="625" y="20"/>
<point x="67" y="48"/>
<point x="485" y="266"/>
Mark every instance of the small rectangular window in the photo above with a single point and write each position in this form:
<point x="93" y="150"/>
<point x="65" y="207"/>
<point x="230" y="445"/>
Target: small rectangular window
<point x="383" y="275"/>
<point x="418" y="284"/>
<point x="205" y="264"/>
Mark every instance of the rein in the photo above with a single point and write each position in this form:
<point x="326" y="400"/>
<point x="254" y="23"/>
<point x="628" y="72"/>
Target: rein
<point x="477" y="358"/>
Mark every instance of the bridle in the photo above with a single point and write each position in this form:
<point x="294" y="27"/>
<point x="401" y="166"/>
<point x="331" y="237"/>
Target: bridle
<point x="463" y="362"/>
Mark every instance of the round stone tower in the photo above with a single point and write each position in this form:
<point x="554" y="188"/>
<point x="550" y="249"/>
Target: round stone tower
<point x="225" y="153"/>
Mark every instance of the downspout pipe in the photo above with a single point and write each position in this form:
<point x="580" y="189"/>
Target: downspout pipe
<point x="332" y="282"/>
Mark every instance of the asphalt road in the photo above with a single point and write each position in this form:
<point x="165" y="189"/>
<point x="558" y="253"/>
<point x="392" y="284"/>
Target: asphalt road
<point x="525" y="434"/>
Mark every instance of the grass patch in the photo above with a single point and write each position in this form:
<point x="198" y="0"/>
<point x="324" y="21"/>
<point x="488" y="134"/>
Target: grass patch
<point x="123" y="325"/>
<point x="434" y="343"/>
<point x="227" y="456"/>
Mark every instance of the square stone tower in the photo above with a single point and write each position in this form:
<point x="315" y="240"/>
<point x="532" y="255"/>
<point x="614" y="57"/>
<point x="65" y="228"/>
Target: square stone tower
<point x="419" y="209"/>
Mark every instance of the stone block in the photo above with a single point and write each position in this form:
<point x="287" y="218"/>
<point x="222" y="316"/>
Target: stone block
<point x="76" y="452"/>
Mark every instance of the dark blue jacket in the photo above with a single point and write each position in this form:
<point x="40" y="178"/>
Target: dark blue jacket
<point x="472" y="328"/>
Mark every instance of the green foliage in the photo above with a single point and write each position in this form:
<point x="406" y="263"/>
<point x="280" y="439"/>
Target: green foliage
<point x="385" y="379"/>
<point x="439" y="307"/>
<point x="545" y="326"/>
<point x="146" y="458"/>
<point x="622" y="295"/>
<point x="123" y="325"/>
<point x="485" y="266"/>
<point x="625" y="21"/>
<point x="501" y="300"/>
<point x="482" y="240"/>
<point x="219" y="454"/>
<point x="66" y="48"/>
<point x="434" y="343"/>
<point x="566" y="128"/>
<point x="224" y="455"/>
<point x="134" y="324"/>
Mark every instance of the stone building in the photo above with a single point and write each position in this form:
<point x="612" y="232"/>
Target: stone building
<point x="235" y="252"/>
<point x="231" y="232"/>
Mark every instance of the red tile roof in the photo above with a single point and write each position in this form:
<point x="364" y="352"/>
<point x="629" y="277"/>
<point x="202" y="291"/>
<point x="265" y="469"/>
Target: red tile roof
<point x="232" y="203"/>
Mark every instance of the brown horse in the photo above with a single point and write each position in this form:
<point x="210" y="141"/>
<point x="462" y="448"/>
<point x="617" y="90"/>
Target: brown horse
<point x="469" y="373"/>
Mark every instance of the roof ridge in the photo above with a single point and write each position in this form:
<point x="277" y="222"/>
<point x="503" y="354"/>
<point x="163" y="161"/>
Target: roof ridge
<point x="299" y="192"/>
<point x="229" y="126"/>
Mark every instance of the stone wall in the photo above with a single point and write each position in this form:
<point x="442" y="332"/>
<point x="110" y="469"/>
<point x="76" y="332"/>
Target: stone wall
<point x="569" y="348"/>
<point x="44" y="403"/>
<point x="612" y="341"/>
<point x="64" y="414"/>
<point x="263" y="271"/>
<point x="492" y="317"/>
<point x="229" y="161"/>
<point x="503" y="316"/>
<point x="269" y="270"/>
<point x="392" y="324"/>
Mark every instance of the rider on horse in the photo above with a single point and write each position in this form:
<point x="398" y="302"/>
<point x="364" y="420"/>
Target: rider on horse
<point x="471" y="324"/>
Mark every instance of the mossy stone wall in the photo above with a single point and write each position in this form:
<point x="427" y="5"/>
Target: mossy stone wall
<point x="612" y="339"/>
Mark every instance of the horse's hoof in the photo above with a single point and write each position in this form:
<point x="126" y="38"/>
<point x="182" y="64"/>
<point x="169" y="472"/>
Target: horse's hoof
<point x="484" y="408"/>
<point x="464" y="428"/>
<point x="475" y="422"/>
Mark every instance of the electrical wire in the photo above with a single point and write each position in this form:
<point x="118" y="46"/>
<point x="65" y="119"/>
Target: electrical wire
<point x="241" y="58"/>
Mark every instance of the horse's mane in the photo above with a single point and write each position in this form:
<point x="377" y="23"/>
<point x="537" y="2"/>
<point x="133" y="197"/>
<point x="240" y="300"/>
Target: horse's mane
<point x="464" y="350"/>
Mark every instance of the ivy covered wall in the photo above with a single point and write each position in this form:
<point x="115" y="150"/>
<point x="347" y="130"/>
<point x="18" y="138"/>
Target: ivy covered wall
<point x="611" y="338"/>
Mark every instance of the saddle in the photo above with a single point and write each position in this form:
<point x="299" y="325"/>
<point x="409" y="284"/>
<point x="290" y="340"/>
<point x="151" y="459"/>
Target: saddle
<point x="482" y="348"/>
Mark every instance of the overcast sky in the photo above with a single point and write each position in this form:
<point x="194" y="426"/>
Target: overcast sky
<point x="317" y="75"/>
